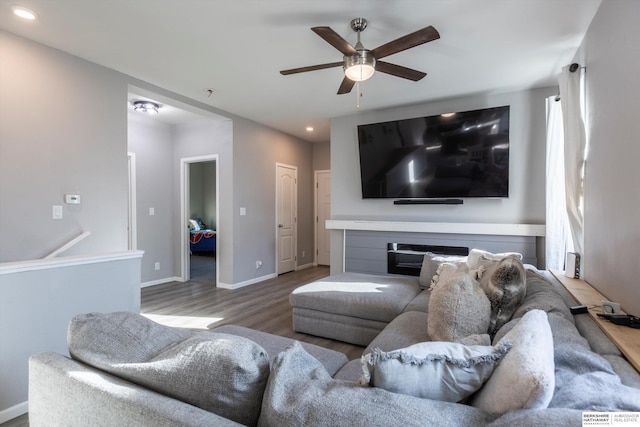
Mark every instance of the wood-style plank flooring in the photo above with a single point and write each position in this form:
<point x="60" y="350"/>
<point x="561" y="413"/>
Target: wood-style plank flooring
<point x="262" y="306"/>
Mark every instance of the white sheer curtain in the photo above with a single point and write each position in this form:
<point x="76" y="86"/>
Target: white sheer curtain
<point x="557" y="241"/>
<point x="574" y="151"/>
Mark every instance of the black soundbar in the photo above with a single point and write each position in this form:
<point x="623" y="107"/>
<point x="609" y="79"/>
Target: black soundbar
<point x="428" y="202"/>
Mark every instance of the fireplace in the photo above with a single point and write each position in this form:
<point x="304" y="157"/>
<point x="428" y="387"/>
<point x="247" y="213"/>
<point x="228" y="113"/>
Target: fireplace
<point x="406" y="258"/>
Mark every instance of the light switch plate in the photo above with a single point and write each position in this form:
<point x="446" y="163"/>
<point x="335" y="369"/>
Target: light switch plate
<point x="56" y="212"/>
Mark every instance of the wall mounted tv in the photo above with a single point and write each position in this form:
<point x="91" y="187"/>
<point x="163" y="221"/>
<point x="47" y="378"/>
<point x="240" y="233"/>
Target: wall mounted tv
<point x="463" y="154"/>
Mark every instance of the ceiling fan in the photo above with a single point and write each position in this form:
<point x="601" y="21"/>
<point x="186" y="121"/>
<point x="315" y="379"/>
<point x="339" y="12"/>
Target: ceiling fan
<point x="360" y="63"/>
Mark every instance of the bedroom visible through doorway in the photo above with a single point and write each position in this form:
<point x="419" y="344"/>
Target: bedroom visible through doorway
<point x="199" y="214"/>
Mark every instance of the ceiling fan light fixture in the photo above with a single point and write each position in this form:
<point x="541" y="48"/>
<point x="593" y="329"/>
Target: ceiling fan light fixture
<point x="146" y="107"/>
<point x="359" y="67"/>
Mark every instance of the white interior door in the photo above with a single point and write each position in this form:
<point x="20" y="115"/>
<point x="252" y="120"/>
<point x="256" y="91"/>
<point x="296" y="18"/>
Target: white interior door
<point x="286" y="207"/>
<point x="323" y="213"/>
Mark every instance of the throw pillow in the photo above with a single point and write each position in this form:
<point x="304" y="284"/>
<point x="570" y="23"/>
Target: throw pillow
<point x="433" y="370"/>
<point x="221" y="373"/>
<point x="458" y="308"/>
<point x="444" y="273"/>
<point x="473" y="260"/>
<point x="506" y="289"/>
<point x="525" y="379"/>
<point x="430" y="264"/>
<point x="300" y="392"/>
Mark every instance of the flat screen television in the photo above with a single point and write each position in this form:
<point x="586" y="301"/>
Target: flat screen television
<point x="454" y="155"/>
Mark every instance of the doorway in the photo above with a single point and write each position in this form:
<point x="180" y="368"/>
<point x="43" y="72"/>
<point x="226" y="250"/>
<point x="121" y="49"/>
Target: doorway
<point x="286" y="221"/>
<point x="199" y="218"/>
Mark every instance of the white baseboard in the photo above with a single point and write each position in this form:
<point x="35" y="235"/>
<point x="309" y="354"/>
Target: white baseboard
<point x="14" y="412"/>
<point x="160" y="281"/>
<point x="247" y="282"/>
<point x="302" y="267"/>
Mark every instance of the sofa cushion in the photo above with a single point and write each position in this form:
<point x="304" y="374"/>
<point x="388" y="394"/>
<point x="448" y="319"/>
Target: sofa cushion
<point x="301" y="393"/>
<point x="433" y="370"/>
<point x="365" y="296"/>
<point x="224" y="374"/>
<point x="525" y="379"/>
<point x="458" y="308"/>
<point x="331" y="360"/>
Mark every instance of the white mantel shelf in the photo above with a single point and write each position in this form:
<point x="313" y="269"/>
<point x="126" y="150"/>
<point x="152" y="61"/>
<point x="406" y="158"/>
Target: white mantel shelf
<point x="439" y="227"/>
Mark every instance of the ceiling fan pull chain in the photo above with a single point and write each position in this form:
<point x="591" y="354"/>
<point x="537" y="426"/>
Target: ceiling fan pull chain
<point x="358" y="95"/>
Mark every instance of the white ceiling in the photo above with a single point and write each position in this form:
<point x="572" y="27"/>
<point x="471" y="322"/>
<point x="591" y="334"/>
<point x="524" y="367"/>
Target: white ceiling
<point x="237" y="48"/>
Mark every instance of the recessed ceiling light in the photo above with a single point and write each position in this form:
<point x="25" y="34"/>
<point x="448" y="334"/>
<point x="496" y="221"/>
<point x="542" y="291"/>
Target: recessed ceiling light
<point x="24" y="13"/>
<point x="309" y="128"/>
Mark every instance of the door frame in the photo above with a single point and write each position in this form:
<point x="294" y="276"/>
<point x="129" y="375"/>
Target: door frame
<point x="315" y="212"/>
<point x="185" y="261"/>
<point x="133" y="197"/>
<point x="295" y="213"/>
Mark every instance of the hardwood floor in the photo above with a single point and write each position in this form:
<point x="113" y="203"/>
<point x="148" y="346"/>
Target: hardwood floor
<point x="263" y="306"/>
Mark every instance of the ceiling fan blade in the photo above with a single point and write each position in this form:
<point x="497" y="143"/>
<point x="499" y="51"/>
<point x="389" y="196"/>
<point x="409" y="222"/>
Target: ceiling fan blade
<point x="414" y="39"/>
<point x="399" y="71"/>
<point x="334" y="40"/>
<point x="346" y="86"/>
<point x="311" y="68"/>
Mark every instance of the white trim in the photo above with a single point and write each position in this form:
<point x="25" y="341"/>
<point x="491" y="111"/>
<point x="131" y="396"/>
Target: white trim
<point x="133" y="197"/>
<point x="185" y="261"/>
<point x="307" y="265"/>
<point x="14" y="412"/>
<point x="160" y="281"/>
<point x="315" y="213"/>
<point x="441" y="227"/>
<point x="45" y="264"/>
<point x="68" y="245"/>
<point x="246" y="282"/>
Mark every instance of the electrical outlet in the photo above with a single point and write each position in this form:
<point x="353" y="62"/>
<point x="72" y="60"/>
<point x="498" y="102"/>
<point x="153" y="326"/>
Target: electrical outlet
<point x="304" y="254"/>
<point x="157" y="266"/>
<point x="258" y="264"/>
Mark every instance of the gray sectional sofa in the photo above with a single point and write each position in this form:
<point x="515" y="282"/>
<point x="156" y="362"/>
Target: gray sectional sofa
<point x="127" y="370"/>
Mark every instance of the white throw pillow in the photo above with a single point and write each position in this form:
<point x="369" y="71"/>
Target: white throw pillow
<point x="458" y="308"/>
<point x="432" y="370"/>
<point x="475" y="255"/>
<point x="525" y="379"/>
<point x="444" y="273"/>
<point x="430" y="264"/>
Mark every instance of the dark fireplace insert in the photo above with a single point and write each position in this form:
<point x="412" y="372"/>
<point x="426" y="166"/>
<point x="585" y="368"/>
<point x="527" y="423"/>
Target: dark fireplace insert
<point x="406" y="258"/>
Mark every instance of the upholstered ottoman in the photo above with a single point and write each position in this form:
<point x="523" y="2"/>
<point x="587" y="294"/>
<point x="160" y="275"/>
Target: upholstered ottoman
<point x="351" y="307"/>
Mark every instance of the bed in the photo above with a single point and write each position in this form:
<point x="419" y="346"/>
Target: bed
<point x="201" y="239"/>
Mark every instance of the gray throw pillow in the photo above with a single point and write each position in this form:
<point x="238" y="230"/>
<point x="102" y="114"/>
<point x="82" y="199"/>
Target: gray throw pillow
<point x="458" y="308"/>
<point x="433" y="370"/>
<point x="300" y="392"/>
<point x="224" y="374"/>
<point x="430" y="264"/>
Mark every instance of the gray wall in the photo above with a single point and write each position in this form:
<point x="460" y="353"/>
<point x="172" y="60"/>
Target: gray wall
<point x="612" y="201"/>
<point x="526" y="202"/>
<point x="321" y="156"/>
<point x="151" y="141"/>
<point x="63" y="129"/>
<point x="257" y="149"/>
